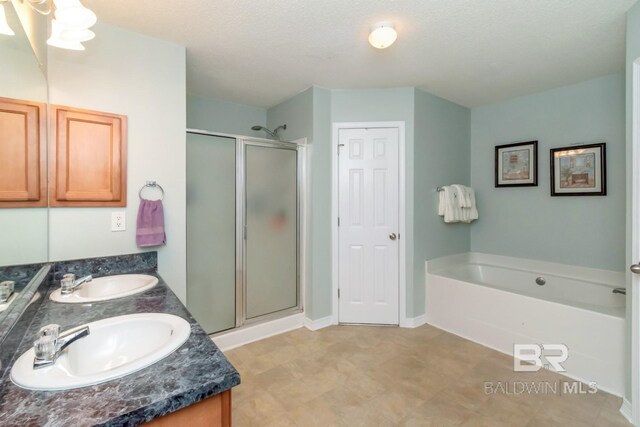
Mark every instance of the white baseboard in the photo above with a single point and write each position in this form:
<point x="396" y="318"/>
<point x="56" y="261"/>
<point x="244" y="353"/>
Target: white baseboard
<point x="626" y="411"/>
<point x="249" y="334"/>
<point x="414" y="322"/>
<point x="314" y="325"/>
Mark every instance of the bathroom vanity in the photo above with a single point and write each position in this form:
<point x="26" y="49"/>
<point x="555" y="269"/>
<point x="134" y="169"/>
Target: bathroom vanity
<point x="191" y="386"/>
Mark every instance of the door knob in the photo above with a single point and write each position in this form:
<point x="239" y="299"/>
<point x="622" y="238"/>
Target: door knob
<point x="393" y="236"/>
<point x="635" y="268"/>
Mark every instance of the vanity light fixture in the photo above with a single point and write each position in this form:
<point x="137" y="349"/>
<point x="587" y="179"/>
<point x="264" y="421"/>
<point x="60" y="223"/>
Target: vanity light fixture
<point x="70" y="25"/>
<point x="4" y="25"/>
<point x="70" y="22"/>
<point x="382" y="35"/>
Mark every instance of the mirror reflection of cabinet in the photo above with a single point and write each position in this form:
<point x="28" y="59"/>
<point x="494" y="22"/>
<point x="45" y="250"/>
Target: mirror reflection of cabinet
<point x="24" y="230"/>
<point x="23" y="154"/>
<point x="88" y="158"/>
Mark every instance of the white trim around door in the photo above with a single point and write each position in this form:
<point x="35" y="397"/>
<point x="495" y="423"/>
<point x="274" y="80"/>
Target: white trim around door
<point x="634" y="416"/>
<point x="335" y="257"/>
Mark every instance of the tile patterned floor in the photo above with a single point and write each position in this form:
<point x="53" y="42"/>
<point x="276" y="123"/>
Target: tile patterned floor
<point x="377" y="376"/>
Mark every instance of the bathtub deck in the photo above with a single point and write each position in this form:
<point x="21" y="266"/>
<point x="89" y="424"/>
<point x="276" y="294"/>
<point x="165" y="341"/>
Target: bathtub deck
<point x="359" y="375"/>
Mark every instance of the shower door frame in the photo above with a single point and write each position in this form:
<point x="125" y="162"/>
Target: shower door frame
<point x="300" y="148"/>
<point x="241" y="242"/>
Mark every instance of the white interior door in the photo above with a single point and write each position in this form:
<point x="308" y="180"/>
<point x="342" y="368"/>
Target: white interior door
<point x="368" y="229"/>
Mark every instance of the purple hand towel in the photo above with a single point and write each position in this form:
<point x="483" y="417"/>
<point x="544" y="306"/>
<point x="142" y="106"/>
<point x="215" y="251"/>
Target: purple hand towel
<point x="150" y="230"/>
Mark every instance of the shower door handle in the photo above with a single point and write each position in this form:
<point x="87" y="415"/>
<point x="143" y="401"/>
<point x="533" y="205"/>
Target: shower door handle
<point x="393" y="236"/>
<point x="635" y="268"/>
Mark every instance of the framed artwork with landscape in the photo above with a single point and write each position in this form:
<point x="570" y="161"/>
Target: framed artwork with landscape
<point x="517" y="164"/>
<point x="579" y="170"/>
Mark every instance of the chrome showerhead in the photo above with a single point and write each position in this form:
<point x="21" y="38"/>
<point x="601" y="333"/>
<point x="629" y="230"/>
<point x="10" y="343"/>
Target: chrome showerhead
<point x="273" y="134"/>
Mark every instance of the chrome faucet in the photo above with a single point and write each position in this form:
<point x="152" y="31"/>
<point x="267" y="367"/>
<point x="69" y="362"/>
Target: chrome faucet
<point x="622" y="291"/>
<point x="69" y="284"/>
<point x="52" y="343"/>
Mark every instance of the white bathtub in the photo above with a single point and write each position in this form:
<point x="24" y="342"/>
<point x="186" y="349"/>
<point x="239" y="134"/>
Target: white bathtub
<point x="495" y="301"/>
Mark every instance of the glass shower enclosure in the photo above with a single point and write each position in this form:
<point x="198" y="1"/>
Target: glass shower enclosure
<point x="243" y="229"/>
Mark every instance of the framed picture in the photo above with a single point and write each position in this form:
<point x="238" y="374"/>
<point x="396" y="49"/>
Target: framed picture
<point x="517" y="164"/>
<point x="579" y="170"/>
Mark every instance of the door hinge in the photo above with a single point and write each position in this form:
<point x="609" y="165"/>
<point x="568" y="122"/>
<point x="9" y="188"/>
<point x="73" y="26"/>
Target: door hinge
<point x="338" y="221"/>
<point x="338" y="293"/>
<point x="340" y="145"/>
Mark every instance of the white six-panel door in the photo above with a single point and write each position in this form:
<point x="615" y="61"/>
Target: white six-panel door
<point x="368" y="232"/>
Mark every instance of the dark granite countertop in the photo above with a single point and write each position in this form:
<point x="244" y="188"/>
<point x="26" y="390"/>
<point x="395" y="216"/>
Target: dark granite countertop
<point x="197" y="370"/>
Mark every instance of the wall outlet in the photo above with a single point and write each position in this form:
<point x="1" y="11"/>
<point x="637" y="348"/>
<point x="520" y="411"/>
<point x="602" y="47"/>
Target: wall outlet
<point x="118" y="221"/>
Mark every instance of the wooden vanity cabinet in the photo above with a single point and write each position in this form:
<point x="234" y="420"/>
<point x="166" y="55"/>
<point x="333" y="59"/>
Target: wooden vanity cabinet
<point x="87" y="158"/>
<point x="214" y="411"/>
<point x="22" y="154"/>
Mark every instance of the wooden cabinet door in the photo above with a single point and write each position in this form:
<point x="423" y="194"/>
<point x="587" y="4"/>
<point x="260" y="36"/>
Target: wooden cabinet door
<point x="22" y="154"/>
<point x="88" y="158"/>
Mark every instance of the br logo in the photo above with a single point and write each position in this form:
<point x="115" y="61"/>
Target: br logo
<point x="533" y="357"/>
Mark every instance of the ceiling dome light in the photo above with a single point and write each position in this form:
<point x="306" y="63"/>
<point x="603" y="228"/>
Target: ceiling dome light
<point x="4" y="26"/>
<point x="383" y="34"/>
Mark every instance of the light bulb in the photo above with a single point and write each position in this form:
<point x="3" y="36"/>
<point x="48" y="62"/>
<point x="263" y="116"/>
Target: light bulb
<point x="80" y="36"/>
<point x="56" y="41"/>
<point x="383" y="34"/>
<point x="73" y="15"/>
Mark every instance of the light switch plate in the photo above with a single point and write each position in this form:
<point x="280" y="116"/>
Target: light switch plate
<point x="118" y="221"/>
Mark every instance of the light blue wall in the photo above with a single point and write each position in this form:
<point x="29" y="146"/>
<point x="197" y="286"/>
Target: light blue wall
<point x="320" y="298"/>
<point x="296" y="113"/>
<point x="527" y="222"/>
<point x="145" y="79"/>
<point x="633" y="53"/>
<point x="370" y="105"/>
<point x="441" y="157"/>
<point x="215" y="115"/>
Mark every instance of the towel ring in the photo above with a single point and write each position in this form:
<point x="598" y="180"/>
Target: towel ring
<point x="151" y="184"/>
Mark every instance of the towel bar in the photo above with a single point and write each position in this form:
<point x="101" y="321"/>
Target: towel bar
<point x="440" y="190"/>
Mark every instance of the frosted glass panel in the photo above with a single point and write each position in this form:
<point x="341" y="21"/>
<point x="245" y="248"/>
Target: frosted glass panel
<point x="211" y="224"/>
<point x="271" y="234"/>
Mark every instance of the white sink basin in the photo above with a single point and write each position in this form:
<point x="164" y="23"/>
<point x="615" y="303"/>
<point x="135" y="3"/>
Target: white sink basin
<point x="115" y="347"/>
<point x="106" y="288"/>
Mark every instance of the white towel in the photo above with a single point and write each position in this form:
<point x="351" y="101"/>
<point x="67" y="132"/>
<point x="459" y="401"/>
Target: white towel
<point x="463" y="193"/>
<point x="450" y="201"/>
<point x="470" y="213"/>
<point x="449" y="205"/>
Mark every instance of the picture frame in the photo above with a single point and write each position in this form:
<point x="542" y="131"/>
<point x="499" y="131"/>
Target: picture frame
<point x="579" y="170"/>
<point x="516" y="165"/>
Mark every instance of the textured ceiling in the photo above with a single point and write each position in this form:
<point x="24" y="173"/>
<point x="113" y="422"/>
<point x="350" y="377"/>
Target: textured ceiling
<point x="473" y="52"/>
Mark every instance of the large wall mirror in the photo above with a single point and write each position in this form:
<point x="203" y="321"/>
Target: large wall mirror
<point x="23" y="230"/>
